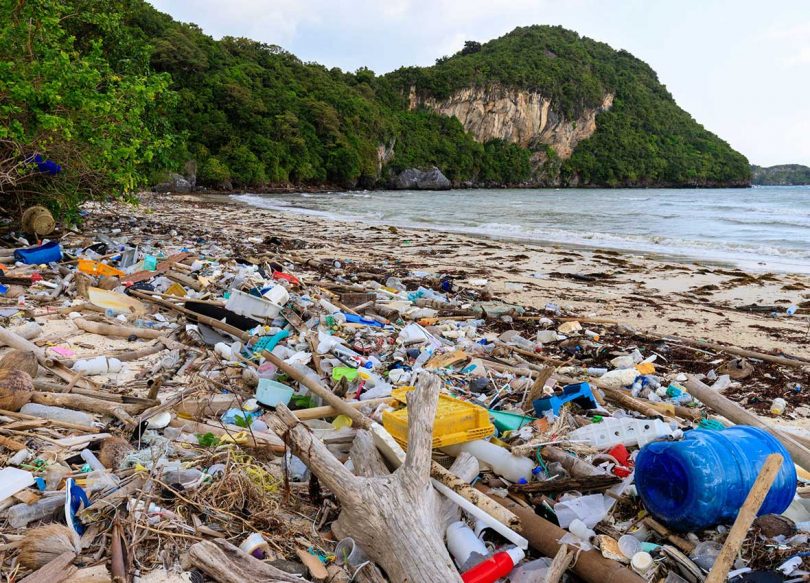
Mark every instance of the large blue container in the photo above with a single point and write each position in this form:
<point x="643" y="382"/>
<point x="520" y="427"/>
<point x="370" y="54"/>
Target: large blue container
<point x="704" y="479"/>
<point x="47" y="253"/>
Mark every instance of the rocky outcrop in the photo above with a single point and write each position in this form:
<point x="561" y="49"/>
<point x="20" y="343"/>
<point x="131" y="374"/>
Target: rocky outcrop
<point x="526" y="118"/>
<point x="415" y="179"/>
<point x="175" y="183"/>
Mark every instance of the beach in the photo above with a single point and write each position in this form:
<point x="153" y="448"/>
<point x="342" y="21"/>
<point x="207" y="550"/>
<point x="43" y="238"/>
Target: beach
<point x="652" y="294"/>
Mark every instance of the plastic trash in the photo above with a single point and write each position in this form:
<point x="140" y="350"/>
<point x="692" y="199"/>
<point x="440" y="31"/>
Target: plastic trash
<point x="579" y="393"/>
<point x="273" y="393"/>
<point x="20" y="515"/>
<point x="513" y="468"/>
<point x="47" y="253"/>
<point x="12" y="480"/>
<point x="642" y="563"/>
<point x="92" y="461"/>
<point x="251" y="306"/>
<point x="616" y="379"/>
<point x="464" y="545"/>
<point x="704" y="479"/>
<point x="58" y="414"/>
<point x="98" y="365"/>
<point x="778" y="406"/>
<point x="627" y="431"/>
<point x="348" y="552"/>
<point x="531" y="571"/>
<point x="705" y="554"/>
<point x="580" y="530"/>
<point x="255" y="545"/>
<point x="629" y="545"/>
<point x="590" y="510"/>
<point x="497" y="566"/>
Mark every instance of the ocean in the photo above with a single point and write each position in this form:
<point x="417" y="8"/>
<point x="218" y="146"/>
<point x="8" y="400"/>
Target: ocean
<point x="757" y="229"/>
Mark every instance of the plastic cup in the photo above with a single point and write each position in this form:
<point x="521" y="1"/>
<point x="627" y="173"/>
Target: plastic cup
<point x="629" y="545"/>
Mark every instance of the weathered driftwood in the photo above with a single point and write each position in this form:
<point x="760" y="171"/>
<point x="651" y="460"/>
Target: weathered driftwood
<point x="116" y="330"/>
<point x="734" y="412"/>
<point x="58" y="570"/>
<point x="226" y="563"/>
<point x="392" y="517"/>
<point x="745" y="518"/>
<point x="793" y="361"/>
<point x="590" y="566"/>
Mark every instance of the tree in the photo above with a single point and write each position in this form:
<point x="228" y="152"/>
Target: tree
<point x="63" y="101"/>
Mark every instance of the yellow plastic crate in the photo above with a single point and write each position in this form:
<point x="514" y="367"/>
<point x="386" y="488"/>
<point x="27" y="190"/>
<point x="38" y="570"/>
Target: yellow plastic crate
<point x="456" y="421"/>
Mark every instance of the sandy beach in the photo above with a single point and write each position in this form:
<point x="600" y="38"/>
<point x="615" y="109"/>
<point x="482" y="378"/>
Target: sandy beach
<point x="652" y="294"/>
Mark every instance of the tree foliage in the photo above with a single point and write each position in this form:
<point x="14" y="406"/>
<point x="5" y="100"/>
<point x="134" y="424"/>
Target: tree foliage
<point x="76" y="88"/>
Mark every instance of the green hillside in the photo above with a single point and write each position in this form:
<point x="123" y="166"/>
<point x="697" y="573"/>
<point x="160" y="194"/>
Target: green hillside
<point x="781" y="175"/>
<point x="118" y="94"/>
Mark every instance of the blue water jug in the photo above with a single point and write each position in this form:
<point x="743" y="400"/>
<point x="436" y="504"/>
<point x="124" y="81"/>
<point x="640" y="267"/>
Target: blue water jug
<point x="704" y="479"/>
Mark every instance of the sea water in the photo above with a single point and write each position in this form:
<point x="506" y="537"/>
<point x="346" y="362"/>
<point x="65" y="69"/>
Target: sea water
<point x="759" y="228"/>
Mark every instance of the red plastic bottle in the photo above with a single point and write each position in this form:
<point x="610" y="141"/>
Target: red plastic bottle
<point x="497" y="566"/>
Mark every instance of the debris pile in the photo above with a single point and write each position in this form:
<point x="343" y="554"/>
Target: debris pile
<point x="177" y="405"/>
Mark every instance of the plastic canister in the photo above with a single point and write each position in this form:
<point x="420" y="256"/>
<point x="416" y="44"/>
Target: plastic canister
<point x="512" y="467"/>
<point x="462" y="543"/>
<point x="704" y="479"/>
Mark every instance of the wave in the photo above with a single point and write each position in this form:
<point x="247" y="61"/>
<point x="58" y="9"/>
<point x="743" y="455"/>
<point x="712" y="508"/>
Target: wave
<point x="580" y="224"/>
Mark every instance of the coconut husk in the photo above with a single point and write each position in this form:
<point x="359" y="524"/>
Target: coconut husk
<point x="43" y="544"/>
<point x="113" y="451"/>
<point x="21" y="360"/>
<point x="16" y="388"/>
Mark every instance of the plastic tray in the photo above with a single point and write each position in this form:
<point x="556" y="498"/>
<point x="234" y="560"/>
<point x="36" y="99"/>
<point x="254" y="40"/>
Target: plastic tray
<point x="251" y="306"/>
<point x="456" y="421"/>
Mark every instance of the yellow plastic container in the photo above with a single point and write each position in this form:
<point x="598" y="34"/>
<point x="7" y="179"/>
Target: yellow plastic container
<point x="456" y="421"/>
<point x="91" y="267"/>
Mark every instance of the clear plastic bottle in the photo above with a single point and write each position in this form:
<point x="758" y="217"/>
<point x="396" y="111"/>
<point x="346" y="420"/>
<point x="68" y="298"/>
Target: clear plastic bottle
<point x="57" y="414"/>
<point x="20" y="515"/>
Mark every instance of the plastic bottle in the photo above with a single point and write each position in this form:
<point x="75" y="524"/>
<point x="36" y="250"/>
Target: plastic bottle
<point x="628" y="432"/>
<point x="513" y="468"/>
<point x="778" y="406"/>
<point x="703" y="480"/>
<point x="58" y="414"/>
<point x="462" y="543"/>
<point x="497" y="566"/>
<point x="20" y="515"/>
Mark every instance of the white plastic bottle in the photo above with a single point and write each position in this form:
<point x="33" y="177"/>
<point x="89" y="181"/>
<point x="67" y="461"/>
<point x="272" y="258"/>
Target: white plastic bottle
<point x="462" y="543"/>
<point x="512" y="467"/>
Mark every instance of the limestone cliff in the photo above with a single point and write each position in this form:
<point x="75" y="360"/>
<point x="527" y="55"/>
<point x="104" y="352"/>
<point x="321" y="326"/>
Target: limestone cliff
<point x="525" y="118"/>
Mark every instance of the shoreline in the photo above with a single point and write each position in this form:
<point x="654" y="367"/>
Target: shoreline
<point x="626" y="247"/>
<point x="654" y="295"/>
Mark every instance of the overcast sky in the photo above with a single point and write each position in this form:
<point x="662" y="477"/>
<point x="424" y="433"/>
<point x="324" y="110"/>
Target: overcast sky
<point x="740" y="67"/>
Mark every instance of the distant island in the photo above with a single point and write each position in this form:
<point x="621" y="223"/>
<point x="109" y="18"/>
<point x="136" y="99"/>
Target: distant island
<point x="781" y="175"/>
<point x="134" y="98"/>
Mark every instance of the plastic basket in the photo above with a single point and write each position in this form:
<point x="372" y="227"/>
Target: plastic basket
<point x="456" y="421"/>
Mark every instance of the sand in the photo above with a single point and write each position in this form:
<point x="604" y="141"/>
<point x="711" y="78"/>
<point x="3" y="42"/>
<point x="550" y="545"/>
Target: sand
<point x="652" y="294"/>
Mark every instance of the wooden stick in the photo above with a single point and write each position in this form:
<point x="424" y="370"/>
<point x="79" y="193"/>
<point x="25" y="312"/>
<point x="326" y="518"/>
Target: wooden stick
<point x="745" y="518"/>
<point x="116" y="330"/>
<point x="57" y="570"/>
<point x="328" y="411"/>
<point x="559" y="565"/>
<point x="793" y="361"/>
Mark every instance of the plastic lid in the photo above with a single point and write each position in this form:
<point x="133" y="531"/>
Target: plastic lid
<point x="641" y="562"/>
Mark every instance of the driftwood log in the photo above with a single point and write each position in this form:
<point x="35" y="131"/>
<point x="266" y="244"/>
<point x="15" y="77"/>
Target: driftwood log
<point x="226" y="563"/>
<point x="395" y="518"/>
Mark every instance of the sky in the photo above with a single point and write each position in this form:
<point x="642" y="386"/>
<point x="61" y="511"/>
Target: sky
<point x="740" y="67"/>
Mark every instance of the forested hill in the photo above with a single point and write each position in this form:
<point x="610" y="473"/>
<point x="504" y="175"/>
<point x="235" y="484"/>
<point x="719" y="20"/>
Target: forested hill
<point x="781" y="175"/>
<point x="117" y="93"/>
